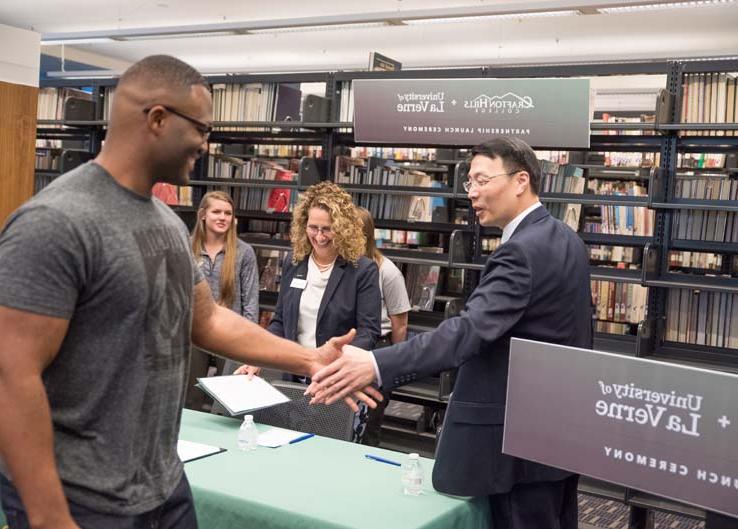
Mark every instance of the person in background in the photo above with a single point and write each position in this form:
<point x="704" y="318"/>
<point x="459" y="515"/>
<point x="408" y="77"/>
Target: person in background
<point x="328" y="285"/>
<point x="229" y="266"/>
<point x="327" y="281"/>
<point x="395" y="301"/>
<point x="395" y="308"/>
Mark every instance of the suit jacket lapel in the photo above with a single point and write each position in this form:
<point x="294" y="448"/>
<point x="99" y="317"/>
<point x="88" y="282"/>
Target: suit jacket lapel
<point x="534" y="216"/>
<point x="330" y="289"/>
<point x="300" y="273"/>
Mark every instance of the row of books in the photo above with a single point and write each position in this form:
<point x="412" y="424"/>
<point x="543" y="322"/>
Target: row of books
<point x="386" y="238"/>
<point x="605" y="159"/>
<point x="40" y="181"/>
<point x="709" y="98"/>
<point x="173" y="195"/>
<point x="270" y="269"/>
<point x="48" y="160"/>
<point x="422" y="283"/>
<point x="346" y="110"/>
<point x="244" y="102"/>
<point x="559" y="157"/>
<point x="269" y="200"/>
<point x="393" y="153"/>
<point x="490" y="244"/>
<point x="631" y="159"/>
<point x="286" y="151"/>
<point x="274" y="228"/>
<point x="558" y="178"/>
<point x="706" y="261"/>
<point x="387" y="173"/>
<point x="700" y="160"/>
<point x="51" y="101"/>
<point x="402" y="207"/>
<point x="619" y="302"/>
<point x="627" y="255"/>
<point x="706" y="225"/>
<point x="610" y="327"/>
<point x="381" y="172"/>
<point x="702" y="318"/>
<point x="643" y="118"/>
<point x="223" y="166"/>
<point x="620" y="220"/>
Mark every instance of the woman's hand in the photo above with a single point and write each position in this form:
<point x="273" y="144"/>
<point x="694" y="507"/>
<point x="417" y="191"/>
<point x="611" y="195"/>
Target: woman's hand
<point x="247" y="370"/>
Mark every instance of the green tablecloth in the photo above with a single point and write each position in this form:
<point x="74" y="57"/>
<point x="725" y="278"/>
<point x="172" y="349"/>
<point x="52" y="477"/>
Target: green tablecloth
<point x="317" y="483"/>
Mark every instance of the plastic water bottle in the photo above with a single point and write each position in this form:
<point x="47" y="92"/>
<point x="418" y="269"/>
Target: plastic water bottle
<point x="247" y="434"/>
<point x="412" y="476"/>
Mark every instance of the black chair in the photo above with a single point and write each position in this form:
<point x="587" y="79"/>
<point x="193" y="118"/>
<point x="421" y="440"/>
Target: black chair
<point x="335" y="421"/>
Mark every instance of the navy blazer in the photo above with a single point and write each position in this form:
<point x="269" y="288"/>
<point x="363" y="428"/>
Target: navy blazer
<point x="351" y="301"/>
<point x="535" y="286"/>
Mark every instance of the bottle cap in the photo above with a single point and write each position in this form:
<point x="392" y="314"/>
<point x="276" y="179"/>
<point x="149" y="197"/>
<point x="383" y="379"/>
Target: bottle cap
<point x="248" y="419"/>
<point x="414" y="456"/>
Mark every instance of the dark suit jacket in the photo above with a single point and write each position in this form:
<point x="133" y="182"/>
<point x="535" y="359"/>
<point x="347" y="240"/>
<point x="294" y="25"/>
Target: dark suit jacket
<point x="351" y="300"/>
<point x="535" y="286"/>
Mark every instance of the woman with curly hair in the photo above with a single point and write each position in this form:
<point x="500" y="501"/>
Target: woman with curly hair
<point x="328" y="285"/>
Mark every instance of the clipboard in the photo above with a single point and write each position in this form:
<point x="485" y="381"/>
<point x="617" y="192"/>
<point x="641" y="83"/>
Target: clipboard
<point x="192" y="451"/>
<point x="239" y="395"/>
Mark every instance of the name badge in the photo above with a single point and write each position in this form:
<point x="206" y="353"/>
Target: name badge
<point x="299" y="283"/>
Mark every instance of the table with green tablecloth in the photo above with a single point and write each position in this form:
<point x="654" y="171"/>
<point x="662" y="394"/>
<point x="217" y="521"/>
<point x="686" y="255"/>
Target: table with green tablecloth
<point x="316" y="483"/>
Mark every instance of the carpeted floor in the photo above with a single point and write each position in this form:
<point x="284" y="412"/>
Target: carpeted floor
<point x="607" y="514"/>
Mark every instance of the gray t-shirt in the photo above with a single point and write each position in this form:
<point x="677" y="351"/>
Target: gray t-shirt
<point x="394" y="293"/>
<point x="119" y="267"/>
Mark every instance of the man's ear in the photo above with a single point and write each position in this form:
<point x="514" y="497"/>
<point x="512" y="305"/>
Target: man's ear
<point x="155" y="119"/>
<point x="522" y="182"/>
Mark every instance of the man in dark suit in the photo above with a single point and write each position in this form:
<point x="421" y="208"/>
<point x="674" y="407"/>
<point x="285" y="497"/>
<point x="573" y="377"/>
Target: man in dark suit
<point x="536" y="285"/>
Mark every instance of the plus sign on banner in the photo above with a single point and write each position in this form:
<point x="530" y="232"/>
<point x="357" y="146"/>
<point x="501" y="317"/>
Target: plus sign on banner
<point x="663" y="428"/>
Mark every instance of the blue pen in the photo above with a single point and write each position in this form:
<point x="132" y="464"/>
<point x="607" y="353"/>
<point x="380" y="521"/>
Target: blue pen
<point x="302" y="438"/>
<point x="382" y="460"/>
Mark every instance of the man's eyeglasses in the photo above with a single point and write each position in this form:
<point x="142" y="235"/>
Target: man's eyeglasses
<point x="202" y="127"/>
<point x="481" y="181"/>
<point x="326" y="231"/>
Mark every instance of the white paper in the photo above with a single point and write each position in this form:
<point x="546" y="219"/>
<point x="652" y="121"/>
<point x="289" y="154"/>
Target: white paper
<point x="189" y="450"/>
<point x="275" y="437"/>
<point x="239" y="395"/>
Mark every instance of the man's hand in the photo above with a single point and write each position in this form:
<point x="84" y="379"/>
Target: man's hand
<point x="330" y="351"/>
<point x="352" y="372"/>
<point x="251" y="371"/>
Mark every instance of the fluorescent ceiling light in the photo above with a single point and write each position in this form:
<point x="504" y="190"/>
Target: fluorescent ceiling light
<point x="665" y="5"/>
<point x="483" y="18"/>
<point x="56" y="42"/>
<point x="84" y="74"/>
<point x="326" y="27"/>
<point x="163" y="36"/>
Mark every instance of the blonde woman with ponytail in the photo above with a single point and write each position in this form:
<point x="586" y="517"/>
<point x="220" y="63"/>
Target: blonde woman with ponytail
<point x="229" y="266"/>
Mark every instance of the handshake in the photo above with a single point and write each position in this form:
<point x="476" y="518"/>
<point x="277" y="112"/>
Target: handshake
<point x="338" y="371"/>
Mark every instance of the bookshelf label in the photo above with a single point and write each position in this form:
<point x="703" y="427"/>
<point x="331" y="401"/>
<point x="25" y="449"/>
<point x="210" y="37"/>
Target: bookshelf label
<point x="662" y="428"/>
<point x="543" y="112"/>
